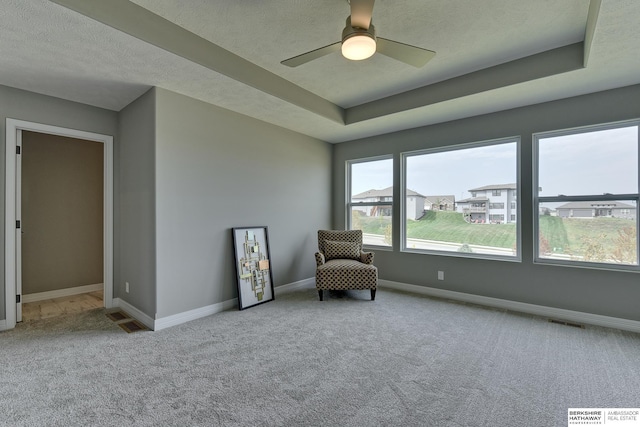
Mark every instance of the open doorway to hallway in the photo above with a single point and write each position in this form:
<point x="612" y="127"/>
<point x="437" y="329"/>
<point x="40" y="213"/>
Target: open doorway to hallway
<point x="61" y="203"/>
<point x="13" y="293"/>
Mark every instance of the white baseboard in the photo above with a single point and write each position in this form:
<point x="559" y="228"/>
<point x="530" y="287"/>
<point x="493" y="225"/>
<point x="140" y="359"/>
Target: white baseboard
<point x="538" y="310"/>
<point x="133" y="311"/>
<point x="305" y="283"/>
<point x="41" y="296"/>
<point x="197" y="313"/>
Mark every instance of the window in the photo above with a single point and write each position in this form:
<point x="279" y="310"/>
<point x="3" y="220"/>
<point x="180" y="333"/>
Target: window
<point x="467" y="175"/>
<point x="496" y="192"/>
<point x="370" y="199"/>
<point x="513" y="205"/>
<point x="586" y="210"/>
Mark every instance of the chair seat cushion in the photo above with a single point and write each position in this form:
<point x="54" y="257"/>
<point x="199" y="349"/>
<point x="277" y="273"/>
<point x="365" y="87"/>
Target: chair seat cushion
<point x="346" y="274"/>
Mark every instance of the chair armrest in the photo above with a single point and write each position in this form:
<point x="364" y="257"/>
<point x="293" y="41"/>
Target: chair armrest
<point x="319" y="259"/>
<point x="366" y="257"/>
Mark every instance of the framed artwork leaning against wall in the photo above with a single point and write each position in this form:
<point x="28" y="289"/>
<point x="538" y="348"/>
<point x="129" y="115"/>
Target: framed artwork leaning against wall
<point x="253" y="266"/>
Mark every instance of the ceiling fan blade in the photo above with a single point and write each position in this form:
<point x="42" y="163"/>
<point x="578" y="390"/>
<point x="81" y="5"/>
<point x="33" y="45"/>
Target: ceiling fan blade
<point x="361" y="11"/>
<point x="310" y="56"/>
<point x="406" y="53"/>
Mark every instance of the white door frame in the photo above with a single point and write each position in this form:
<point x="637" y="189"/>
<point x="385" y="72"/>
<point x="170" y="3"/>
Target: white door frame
<point x="13" y="134"/>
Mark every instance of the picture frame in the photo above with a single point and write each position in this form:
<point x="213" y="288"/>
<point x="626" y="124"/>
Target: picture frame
<point x="253" y="266"/>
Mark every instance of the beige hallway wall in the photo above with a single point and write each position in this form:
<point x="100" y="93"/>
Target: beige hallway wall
<point x="62" y="212"/>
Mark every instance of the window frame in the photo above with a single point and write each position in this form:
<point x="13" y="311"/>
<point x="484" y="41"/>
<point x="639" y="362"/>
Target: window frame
<point x="349" y="204"/>
<point x="455" y="147"/>
<point x="537" y="199"/>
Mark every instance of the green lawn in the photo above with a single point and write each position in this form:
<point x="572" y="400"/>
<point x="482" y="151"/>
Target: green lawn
<point x="371" y="225"/>
<point x="594" y="239"/>
<point x="552" y="228"/>
<point x="451" y="227"/>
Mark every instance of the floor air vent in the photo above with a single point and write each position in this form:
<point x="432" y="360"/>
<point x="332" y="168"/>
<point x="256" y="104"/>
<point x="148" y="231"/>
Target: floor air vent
<point x="126" y="322"/>
<point x="565" y="323"/>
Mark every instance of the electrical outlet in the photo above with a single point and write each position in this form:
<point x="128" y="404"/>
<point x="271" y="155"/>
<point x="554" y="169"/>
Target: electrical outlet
<point x="126" y="287"/>
<point x="440" y="275"/>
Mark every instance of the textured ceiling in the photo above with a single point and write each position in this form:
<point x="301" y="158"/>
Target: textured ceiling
<point x="50" y="49"/>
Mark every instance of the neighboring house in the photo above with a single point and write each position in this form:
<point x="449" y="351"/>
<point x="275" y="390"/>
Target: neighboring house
<point x="415" y="203"/>
<point x="440" y="203"/>
<point x="494" y="204"/>
<point x="608" y="209"/>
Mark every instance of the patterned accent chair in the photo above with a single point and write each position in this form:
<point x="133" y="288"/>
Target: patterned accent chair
<point x="341" y="263"/>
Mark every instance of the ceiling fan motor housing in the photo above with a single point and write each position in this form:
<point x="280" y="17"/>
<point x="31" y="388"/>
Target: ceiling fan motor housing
<point x="350" y="31"/>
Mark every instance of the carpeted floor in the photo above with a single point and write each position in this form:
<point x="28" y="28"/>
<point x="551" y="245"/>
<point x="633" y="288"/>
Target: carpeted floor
<point x="402" y="360"/>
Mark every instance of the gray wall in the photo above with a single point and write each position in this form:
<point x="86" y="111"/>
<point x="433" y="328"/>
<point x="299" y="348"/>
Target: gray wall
<point x="185" y="172"/>
<point x="137" y="249"/>
<point x="23" y="105"/>
<point x="215" y="170"/>
<point x="62" y="212"/>
<point x="611" y="293"/>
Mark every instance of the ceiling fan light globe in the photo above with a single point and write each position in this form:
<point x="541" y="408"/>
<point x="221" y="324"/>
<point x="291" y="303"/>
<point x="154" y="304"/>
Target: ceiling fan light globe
<point x="358" y="47"/>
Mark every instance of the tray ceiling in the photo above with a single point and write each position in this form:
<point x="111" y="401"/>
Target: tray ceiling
<point x="490" y="55"/>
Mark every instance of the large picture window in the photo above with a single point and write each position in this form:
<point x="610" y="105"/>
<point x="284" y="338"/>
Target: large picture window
<point x="370" y="199"/>
<point x="587" y="196"/>
<point x="465" y="200"/>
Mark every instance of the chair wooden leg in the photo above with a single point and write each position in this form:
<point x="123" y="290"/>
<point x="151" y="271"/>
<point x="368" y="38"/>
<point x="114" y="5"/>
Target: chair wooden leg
<point x="320" y="294"/>
<point x="373" y="294"/>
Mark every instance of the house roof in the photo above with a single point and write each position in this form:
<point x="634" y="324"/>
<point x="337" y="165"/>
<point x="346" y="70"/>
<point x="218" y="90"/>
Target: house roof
<point x="473" y="199"/>
<point x="385" y="192"/>
<point x="595" y="205"/>
<point x="107" y="56"/>
<point x="437" y="199"/>
<point x="496" y="187"/>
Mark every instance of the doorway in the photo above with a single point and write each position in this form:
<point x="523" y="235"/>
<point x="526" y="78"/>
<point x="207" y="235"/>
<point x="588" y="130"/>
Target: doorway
<point x="17" y="131"/>
<point x="61" y="186"/>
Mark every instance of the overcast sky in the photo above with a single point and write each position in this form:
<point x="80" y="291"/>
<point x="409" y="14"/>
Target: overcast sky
<point x="456" y="172"/>
<point x="588" y="163"/>
<point x="446" y="173"/>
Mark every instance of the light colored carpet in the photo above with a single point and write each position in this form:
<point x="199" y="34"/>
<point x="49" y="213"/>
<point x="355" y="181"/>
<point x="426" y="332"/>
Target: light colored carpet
<point x="402" y="360"/>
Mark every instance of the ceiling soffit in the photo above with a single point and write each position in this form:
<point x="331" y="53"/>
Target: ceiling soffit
<point x="145" y="25"/>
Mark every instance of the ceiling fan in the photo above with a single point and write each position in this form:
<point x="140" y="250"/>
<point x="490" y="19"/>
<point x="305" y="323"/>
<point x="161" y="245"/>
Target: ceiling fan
<point x="359" y="42"/>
